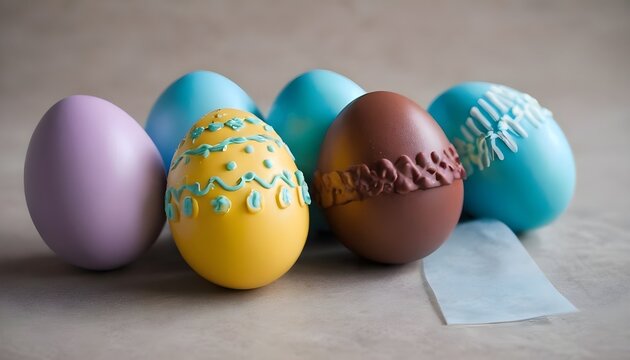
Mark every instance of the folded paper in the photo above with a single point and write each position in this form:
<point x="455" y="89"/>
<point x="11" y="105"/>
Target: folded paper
<point x="483" y="274"/>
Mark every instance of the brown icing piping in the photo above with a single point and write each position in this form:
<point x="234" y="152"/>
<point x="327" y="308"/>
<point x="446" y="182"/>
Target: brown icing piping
<point x="384" y="177"/>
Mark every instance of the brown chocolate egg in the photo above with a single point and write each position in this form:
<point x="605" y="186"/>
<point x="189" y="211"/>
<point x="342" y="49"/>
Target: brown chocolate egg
<point x="389" y="181"/>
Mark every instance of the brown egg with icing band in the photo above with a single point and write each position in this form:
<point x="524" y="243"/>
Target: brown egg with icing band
<point x="389" y="180"/>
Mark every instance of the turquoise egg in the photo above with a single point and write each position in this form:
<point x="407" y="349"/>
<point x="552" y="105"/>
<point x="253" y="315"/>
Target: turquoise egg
<point x="185" y="101"/>
<point x="305" y="108"/>
<point x="301" y="115"/>
<point x="519" y="163"/>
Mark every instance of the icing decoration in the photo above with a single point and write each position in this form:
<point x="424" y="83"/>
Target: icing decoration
<point x="284" y="197"/>
<point x="197" y="190"/>
<point x="254" y="121"/>
<point x="270" y="148"/>
<point x="231" y="166"/>
<point x="205" y="149"/>
<point x="497" y="116"/>
<point x="305" y="197"/>
<point x="190" y="207"/>
<point x="268" y="127"/>
<point x="212" y="127"/>
<point x="172" y="214"/>
<point x="235" y="124"/>
<point x="254" y="201"/>
<point x="221" y="204"/>
<point x="384" y="177"/>
<point x="196" y="133"/>
<point x="268" y="164"/>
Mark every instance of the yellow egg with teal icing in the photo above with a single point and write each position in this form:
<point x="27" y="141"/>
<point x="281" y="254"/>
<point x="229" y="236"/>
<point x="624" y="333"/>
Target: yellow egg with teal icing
<point x="236" y="203"/>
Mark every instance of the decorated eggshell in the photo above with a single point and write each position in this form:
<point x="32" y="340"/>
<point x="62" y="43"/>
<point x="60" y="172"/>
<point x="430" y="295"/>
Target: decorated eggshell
<point x="520" y="166"/>
<point x="236" y="203"/>
<point x="185" y="101"/>
<point x="302" y="113"/>
<point x="388" y="179"/>
<point x="93" y="182"/>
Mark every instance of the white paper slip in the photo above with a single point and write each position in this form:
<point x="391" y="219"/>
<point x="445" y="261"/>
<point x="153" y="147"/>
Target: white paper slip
<point x="483" y="274"/>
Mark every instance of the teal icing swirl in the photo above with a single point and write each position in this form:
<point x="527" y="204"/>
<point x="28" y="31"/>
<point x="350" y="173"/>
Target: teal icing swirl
<point x="221" y="204"/>
<point x="205" y="149"/>
<point x="197" y="190"/>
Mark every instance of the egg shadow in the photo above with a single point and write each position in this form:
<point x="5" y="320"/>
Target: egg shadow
<point x="44" y="278"/>
<point x="325" y="259"/>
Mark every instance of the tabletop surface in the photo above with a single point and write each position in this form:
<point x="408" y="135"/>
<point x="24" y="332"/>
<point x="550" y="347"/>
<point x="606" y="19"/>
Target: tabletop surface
<point x="571" y="55"/>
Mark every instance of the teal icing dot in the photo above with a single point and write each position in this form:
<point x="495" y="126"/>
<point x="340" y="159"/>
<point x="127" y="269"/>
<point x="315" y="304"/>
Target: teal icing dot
<point x="196" y="133"/>
<point x="230" y="166"/>
<point x="221" y="204"/>
<point x="235" y="124"/>
<point x="188" y="206"/>
<point x="170" y="212"/>
<point x="249" y="176"/>
<point x="286" y="196"/>
<point x="267" y="128"/>
<point x="249" y="149"/>
<point x="268" y="164"/>
<point x="215" y="126"/>
<point x="270" y="148"/>
<point x="254" y="201"/>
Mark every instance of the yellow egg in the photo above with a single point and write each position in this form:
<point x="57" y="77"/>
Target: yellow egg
<point x="236" y="203"/>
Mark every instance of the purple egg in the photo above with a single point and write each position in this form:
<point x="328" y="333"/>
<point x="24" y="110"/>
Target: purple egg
<point x="94" y="183"/>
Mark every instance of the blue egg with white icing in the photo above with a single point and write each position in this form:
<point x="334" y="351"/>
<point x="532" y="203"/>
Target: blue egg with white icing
<point x="185" y="101"/>
<point x="519" y="163"/>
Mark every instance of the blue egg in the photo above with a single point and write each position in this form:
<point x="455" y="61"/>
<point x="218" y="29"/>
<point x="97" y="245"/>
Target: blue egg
<point x="305" y="108"/>
<point x="301" y="115"/>
<point x="185" y="101"/>
<point x="519" y="163"/>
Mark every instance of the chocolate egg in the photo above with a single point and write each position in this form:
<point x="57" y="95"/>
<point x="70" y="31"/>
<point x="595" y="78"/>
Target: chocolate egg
<point x="388" y="179"/>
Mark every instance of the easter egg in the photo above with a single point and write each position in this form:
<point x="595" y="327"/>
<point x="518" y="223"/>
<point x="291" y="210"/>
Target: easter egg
<point x="304" y="110"/>
<point x="93" y="182"/>
<point x="389" y="181"/>
<point x="185" y="101"/>
<point x="236" y="203"/>
<point x="302" y="113"/>
<point x="519" y="163"/>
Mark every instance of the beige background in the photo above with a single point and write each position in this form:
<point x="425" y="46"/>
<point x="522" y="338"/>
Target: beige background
<point x="574" y="56"/>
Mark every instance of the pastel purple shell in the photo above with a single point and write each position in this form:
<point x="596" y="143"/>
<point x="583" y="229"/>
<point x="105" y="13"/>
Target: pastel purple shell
<point x="94" y="184"/>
